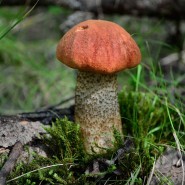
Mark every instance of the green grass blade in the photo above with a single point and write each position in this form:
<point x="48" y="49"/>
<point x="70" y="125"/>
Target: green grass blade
<point x="134" y="177"/>
<point x="36" y="170"/>
<point x="139" y="69"/>
<point x="8" y="29"/>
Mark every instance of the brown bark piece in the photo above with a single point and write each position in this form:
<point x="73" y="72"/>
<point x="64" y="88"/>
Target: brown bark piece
<point x="26" y="127"/>
<point x="13" y="130"/>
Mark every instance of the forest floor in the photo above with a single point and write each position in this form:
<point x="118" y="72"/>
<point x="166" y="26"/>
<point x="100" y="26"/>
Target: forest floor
<point x="32" y="80"/>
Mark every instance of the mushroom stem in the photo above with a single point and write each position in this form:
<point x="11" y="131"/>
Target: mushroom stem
<point x="97" y="110"/>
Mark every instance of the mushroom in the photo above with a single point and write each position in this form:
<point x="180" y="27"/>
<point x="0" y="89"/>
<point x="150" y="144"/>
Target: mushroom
<point x="98" y="49"/>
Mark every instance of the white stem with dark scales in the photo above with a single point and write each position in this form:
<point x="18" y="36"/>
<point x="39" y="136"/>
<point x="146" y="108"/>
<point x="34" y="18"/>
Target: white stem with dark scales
<point x="97" y="109"/>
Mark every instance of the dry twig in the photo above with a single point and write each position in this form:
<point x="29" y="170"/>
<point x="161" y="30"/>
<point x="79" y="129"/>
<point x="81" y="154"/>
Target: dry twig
<point x="10" y="163"/>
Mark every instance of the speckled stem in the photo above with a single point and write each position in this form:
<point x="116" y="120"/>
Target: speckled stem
<point x="97" y="109"/>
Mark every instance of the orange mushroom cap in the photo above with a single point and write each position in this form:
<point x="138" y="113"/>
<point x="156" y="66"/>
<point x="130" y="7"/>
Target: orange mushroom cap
<point x="98" y="46"/>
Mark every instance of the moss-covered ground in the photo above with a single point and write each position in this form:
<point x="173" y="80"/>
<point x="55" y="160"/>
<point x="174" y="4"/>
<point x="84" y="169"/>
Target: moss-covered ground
<point x="149" y="121"/>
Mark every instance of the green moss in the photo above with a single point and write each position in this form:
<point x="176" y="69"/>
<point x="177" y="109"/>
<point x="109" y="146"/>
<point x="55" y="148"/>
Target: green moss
<point x="64" y="141"/>
<point x="66" y="154"/>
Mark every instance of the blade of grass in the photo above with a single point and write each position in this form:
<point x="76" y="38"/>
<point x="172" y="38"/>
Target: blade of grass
<point x="151" y="174"/>
<point x="139" y="69"/>
<point x="133" y="178"/>
<point x="42" y="168"/>
<point x="8" y="29"/>
<point x="176" y="141"/>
